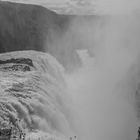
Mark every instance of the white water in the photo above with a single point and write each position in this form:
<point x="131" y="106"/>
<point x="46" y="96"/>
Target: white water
<point x="103" y="90"/>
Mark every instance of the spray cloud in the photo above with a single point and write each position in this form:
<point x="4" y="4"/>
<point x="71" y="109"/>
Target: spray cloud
<point x="103" y="90"/>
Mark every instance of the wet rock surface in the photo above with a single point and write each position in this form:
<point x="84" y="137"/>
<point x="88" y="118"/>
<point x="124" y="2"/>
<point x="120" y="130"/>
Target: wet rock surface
<point x="20" y="64"/>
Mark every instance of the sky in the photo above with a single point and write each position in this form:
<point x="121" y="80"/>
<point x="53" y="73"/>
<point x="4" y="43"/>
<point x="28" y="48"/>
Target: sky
<point x="91" y="6"/>
<point x="63" y="6"/>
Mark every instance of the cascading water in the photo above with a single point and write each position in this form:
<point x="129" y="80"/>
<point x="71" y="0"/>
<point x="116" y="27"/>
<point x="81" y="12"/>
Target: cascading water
<point x="32" y="90"/>
<point x="100" y="100"/>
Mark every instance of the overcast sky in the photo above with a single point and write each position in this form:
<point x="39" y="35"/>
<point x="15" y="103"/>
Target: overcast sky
<point x="106" y="6"/>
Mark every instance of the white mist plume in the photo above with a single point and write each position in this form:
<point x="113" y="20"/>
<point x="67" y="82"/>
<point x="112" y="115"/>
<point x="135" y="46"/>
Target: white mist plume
<point x="116" y="6"/>
<point x="103" y="90"/>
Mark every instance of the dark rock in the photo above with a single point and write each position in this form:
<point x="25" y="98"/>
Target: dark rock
<point x="16" y="68"/>
<point x="19" y="64"/>
<point x="18" y="61"/>
<point x="25" y="27"/>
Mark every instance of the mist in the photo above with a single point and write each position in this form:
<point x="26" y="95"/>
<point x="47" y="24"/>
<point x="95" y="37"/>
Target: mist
<point x="103" y="90"/>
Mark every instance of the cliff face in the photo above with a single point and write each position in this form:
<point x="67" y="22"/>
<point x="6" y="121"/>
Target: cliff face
<point x="25" y="27"/>
<point x="32" y="90"/>
<point x="32" y="27"/>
